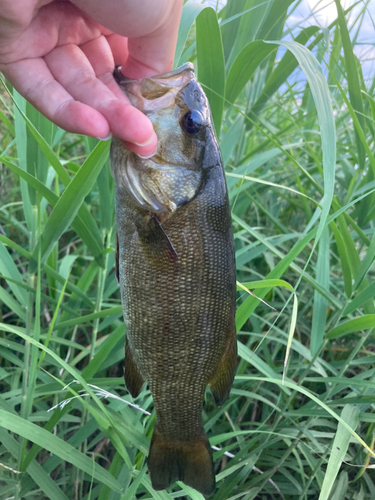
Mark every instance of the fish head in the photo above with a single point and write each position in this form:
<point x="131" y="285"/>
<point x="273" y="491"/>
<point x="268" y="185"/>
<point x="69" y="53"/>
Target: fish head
<point x="179" y="111"/>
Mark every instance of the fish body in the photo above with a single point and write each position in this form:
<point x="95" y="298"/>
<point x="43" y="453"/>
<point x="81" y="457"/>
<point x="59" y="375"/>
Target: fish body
<point x="176" y="272"/>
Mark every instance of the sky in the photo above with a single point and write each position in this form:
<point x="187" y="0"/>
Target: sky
<point x="325" y="13"/>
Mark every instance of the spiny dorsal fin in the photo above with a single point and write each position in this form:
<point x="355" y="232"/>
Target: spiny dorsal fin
<point x="117" y="269"/>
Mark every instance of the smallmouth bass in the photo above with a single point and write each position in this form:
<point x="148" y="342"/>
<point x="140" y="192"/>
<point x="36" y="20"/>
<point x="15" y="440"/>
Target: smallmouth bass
<point x="176" y="269"/>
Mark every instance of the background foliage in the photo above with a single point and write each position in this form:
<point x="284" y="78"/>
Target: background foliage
<point x="299" y="422"/>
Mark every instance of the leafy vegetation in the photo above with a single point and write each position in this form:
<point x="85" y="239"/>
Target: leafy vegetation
<point x="299" y="422"/>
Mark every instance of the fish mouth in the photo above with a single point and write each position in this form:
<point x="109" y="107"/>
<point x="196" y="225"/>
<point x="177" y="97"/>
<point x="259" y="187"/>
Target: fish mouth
<point x="121" y="79"/>
<point x="150" y="93"/>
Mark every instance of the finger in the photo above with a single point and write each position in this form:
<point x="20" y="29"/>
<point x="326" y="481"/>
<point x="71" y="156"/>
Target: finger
<point x="32" y="79"/>
<point x="152" y="31"/>
<point x="73" y="71"/>
<point x="153" y="53"/>
<point x="44" y="27"/>
<point x="119" y="47"/>
<point x="100" y="57"/>
<point x="127" y="17"/>
<point x="103" y="68"/>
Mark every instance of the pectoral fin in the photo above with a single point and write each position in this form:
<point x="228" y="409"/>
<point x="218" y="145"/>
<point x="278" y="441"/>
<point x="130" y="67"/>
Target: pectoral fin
<point x="133" y="377"/>
<point x="156" y="244"/>
<point x="222" y="380"/>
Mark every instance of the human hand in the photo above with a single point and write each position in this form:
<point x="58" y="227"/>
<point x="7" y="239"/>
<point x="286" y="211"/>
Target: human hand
<point x="61" y="59"/>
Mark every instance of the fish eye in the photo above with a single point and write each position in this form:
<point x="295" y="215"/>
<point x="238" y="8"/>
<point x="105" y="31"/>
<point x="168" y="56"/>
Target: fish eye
<point x="191" y="121"/>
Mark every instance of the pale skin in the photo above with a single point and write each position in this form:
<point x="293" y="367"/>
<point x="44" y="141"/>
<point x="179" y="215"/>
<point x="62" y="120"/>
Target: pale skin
<point x="60" y="55"/>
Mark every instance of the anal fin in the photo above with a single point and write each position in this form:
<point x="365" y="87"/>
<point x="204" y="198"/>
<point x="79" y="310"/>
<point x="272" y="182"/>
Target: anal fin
<point x="133" y="377"/>
<point x="222" y="380"/>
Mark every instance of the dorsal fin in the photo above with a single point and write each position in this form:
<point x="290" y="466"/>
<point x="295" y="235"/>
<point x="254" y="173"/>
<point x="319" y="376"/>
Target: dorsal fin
<point x="117" y="270"/>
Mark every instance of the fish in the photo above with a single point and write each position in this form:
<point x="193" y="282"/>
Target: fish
<point x="176" y="269"/>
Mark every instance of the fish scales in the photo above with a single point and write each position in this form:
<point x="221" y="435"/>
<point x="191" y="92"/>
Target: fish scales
<point x="177" y="274"/>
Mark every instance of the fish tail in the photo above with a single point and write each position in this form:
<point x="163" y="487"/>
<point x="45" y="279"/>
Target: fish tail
<point x="189" y="461"/>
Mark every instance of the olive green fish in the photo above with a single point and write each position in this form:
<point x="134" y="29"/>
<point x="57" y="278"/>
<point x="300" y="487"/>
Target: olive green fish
<point x="176" y="272"/>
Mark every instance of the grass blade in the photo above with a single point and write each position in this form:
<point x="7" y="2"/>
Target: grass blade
<point x="353" y="80"/>
<point x="57" y="446"/>
<point x="320" y="91"/>
<point x="353" y="325"/>
<point x="283" y="70"/>
<point x="189" y="13"/>
<point x="362" y="298"/>
<point x="320" y="302"/>
<point x="256" y="11"/>
<point x="79" y="224"/>
<point x="350" y="414"/>
<point x="35" y="471"/>
<point x="292" y="327"/>
<point x="244" y="66"/>
<point x="344" y="260"/>
<point x="97" y="248"/>
<point x="70" y="201"/>
<point x="21" y="142"/>
<point x="211" y="66"/>
<point x="10" y="270"/>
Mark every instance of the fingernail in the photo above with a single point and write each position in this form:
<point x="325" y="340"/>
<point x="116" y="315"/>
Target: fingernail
<point x="149" y="141"/>
<point x="148" y="156"/>
<point x="106" y="138"/>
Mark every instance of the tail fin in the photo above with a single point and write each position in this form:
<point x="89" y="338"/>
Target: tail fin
<point x="187" y="461"/>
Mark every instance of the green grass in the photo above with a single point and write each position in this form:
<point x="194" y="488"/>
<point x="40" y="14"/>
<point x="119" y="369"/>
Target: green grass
<point x="296" y="122"/>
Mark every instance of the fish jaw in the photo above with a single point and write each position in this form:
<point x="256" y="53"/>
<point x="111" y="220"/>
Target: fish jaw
<point x="159" y="188"/>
